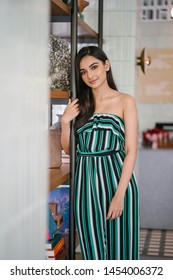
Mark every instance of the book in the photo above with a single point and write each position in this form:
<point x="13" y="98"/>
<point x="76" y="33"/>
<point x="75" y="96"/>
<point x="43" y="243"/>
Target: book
<point x="59" y="203"/>
<point x="58" y="217"/>
<point x="58" y="247"/>
<point x="50" y="244"/>
<point x="62" y="255"/>
<point x="51" y="227"/>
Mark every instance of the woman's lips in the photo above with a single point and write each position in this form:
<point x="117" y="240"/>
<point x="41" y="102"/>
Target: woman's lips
<point x="93" y="81"/>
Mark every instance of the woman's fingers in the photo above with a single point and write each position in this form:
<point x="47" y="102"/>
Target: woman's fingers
<point x="74" y="101"/>
<point x="115" y="207"/>
<point x="71" y="111"/>
<point x="73" y="104"/>
<point x="113" y="214"/>
<point x="108" y="216"/>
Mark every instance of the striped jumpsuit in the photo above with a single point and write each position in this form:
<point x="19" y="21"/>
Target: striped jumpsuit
<point x="100" y="156"/>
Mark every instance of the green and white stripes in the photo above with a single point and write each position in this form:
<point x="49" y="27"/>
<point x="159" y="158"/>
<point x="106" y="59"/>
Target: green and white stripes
<point x="100" y="156"/>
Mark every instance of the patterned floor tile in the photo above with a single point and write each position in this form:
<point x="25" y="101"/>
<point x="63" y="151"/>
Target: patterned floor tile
<point x="156" y="243"/>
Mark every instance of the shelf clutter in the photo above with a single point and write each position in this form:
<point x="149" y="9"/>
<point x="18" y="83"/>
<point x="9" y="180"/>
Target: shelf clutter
<point x="60" y="26"/>
<point x="159" y="137"/>
<point x="57" y="243"/>
<point x="58" y="176"/>
<point x="59" y="94"/>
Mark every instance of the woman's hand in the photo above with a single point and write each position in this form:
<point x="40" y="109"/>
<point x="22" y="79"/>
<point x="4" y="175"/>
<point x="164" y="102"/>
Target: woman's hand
<point x="116" y="206"/>
<point x="71" y="111"/>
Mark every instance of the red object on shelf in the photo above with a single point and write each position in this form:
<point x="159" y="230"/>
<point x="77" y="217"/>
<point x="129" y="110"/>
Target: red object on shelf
<point x="156" y="138"/>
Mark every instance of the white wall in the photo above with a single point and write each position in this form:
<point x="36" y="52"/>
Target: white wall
<point x="119" y="34"/>
<point x="124" y="38"/>
<point x="153" y="35"/>
<point x="23" y="126"/>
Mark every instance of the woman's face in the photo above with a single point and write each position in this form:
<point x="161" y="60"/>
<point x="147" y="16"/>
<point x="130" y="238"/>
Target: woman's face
<point x="93" y="71"/>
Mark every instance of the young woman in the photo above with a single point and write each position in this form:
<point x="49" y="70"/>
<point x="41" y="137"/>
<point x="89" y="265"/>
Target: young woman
<point x="106" y="193"/>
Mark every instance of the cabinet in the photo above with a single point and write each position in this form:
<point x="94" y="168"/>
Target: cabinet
<point x="155" y="180"/>
<point x="61" y="20"/>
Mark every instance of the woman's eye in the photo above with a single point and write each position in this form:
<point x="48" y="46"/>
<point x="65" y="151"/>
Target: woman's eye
<point x="94" y="67"/>
<point x="82" y="73"/>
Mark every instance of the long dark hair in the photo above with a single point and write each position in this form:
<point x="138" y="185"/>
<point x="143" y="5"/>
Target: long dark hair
<point x="84" y="93"/>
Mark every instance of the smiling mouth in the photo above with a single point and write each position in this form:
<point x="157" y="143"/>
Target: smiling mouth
<point x="93" y="81"/>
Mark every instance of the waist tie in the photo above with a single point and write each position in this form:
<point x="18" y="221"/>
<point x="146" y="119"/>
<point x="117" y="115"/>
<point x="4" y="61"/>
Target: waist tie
<point x="97" y="154"/>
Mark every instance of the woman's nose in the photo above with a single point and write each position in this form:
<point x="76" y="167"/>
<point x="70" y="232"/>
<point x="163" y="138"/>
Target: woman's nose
<point x="89" y="74"/>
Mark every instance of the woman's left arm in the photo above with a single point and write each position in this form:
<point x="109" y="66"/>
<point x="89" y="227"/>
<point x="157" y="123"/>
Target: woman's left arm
<point x="131" y="133"/>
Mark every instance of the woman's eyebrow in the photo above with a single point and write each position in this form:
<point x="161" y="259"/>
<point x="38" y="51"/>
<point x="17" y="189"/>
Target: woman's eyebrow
<point x="89" y="66"/>
<point x="93" y="64"/>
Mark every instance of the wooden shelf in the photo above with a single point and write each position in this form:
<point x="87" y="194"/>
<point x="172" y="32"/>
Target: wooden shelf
<point x="85" y="31"/>
<point x="61" y="26"/>
<point x="65" y="253"/>
<point x="58" y="176"/>
<point x="63" y="30"/>
<point x="59" y="8"/>
<point x="59" y="94"/>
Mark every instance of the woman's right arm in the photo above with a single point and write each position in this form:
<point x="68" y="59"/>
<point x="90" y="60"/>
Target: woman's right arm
<point x="70" y="112"/>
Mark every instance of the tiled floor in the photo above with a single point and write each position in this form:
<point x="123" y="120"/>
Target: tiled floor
<point x="154" y="244"/>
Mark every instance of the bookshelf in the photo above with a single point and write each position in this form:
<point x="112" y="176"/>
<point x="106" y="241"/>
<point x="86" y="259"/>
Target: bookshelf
<point x="59" y="94"/>
<point x="64" y="254"/>
<point x="58" y="176"/>
<point x="59" y="8"/>
<point x="60" y="14"/>
<point x="61" y="22"/>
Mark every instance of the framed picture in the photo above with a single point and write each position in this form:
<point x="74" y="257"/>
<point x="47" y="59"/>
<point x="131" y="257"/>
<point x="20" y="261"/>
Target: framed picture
<point x="57" y="108"/>
<point x="156" y="85"/>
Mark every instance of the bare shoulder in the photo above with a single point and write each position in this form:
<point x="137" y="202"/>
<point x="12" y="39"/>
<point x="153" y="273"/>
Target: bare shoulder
<point x="127" y="101"/>
<point x="127" y="98"/>
<point x="128" y="104"/>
